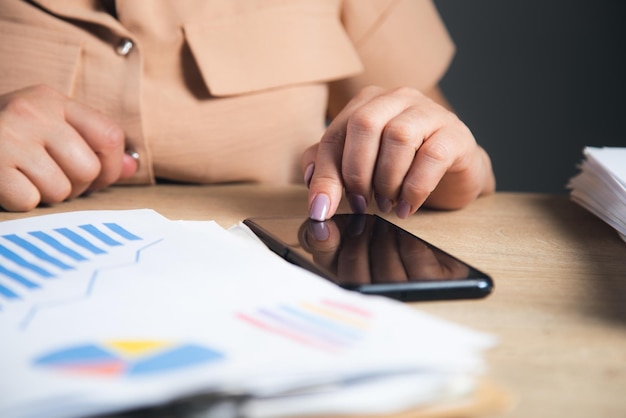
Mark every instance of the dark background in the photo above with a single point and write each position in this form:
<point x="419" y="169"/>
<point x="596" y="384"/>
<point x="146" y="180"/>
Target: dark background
<point x="537" y="81"/>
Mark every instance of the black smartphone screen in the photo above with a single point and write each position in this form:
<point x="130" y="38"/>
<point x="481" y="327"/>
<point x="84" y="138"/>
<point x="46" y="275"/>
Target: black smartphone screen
<point x="371" y="255"/>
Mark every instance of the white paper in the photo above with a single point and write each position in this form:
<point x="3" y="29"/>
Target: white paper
<point x="600" y="187"/>
<point x="101" y="311"/>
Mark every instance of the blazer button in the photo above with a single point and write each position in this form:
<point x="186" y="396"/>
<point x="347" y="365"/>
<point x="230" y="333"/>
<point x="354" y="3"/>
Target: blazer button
<point x="124" y="47"/>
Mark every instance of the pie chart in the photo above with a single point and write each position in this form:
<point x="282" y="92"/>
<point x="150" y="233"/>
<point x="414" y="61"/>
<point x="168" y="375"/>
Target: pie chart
<point x="127" y="358"/>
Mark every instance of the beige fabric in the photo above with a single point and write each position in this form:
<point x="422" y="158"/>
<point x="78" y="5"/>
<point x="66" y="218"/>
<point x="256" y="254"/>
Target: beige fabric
<point x="221" y="90"/>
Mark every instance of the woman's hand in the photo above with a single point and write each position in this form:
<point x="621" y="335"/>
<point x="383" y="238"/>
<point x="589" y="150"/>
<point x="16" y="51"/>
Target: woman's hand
<point x="53" y="148"/>
<point x="399" y="147"/>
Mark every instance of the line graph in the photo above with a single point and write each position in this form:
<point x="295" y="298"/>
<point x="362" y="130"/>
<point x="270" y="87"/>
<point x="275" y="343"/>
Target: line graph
<point x="88" y="290"/>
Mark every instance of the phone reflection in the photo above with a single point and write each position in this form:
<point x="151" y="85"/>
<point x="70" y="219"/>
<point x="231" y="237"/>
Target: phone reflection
<point x="360" y="249"/>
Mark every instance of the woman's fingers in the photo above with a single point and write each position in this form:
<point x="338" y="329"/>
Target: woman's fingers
<point x="397" y="146"/>
<point x="55" y="148"/>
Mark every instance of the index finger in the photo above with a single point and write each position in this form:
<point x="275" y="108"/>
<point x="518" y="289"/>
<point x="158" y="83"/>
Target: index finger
<point x="326" y="184"/>
<point x="104" y="137"/>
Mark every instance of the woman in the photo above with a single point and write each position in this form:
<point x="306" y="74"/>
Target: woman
<point x="96" y="93"/>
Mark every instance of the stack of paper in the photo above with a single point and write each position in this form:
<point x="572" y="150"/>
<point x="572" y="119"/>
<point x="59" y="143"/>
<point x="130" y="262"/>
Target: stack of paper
<point x="600" y="186"/>
<point x="106" y="311"/>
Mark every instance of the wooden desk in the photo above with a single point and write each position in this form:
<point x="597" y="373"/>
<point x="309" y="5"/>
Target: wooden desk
<point x="559" y="307"/>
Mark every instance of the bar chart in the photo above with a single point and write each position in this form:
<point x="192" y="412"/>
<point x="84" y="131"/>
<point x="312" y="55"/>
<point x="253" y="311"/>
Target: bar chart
<point x="28" y="260"/>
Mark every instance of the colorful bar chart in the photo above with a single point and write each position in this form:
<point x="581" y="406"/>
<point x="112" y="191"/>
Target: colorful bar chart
<point x="326" y="325"/>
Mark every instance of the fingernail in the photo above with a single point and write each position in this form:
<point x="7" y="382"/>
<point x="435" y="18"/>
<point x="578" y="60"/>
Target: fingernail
<point x="383" y="203"/>
<point x="308" y="174"/>
<point x="403" y="209"/>
<point x="357" y="203"/>
<point x="319" y="231"/>
<point x="320" y="207"/>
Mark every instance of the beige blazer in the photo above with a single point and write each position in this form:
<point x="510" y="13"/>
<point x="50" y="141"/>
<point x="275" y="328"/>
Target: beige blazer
<point x="220" y="90"/>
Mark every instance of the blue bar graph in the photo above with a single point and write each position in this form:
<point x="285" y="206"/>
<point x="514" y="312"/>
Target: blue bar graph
<point x="28" y="258"/>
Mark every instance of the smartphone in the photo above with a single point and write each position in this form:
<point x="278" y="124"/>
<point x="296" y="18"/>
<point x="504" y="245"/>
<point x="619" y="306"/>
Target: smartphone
<point x="368" y="254"/>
